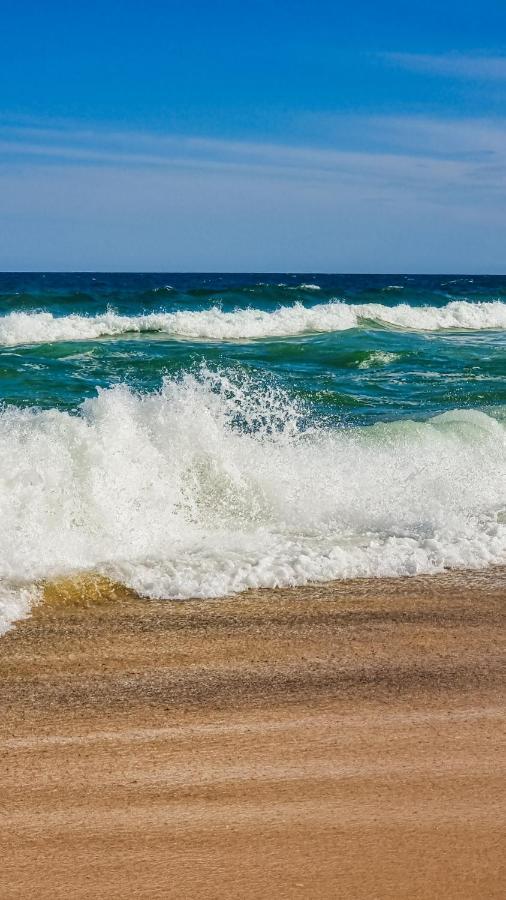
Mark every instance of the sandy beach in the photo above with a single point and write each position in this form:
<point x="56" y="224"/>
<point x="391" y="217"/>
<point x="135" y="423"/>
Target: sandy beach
<point x="344" y="740"/>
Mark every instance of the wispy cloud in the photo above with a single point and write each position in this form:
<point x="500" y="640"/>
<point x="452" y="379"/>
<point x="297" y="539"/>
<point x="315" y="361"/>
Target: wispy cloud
<point x="452" y="65"/>
<point x="383" y="152"/>
<point x="405" y="193"/>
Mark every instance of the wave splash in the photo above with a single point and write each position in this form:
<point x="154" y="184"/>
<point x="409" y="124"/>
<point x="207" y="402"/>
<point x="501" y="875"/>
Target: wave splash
<point x="249" y="324"/>
<point x="216" y="484"/>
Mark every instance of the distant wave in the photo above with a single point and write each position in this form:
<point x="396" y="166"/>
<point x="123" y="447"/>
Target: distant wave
<point x="216" y="484"/>
<point x="249" y="324"/>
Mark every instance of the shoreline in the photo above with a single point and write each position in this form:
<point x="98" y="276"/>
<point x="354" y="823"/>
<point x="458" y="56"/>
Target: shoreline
<point x="344" y="739"/>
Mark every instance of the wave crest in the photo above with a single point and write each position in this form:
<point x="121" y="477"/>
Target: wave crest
<point x="249" y="324"/>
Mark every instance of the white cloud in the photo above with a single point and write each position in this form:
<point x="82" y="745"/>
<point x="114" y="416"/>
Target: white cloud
<point x="406" y="153"/>
<point x="453" y="65"/>
<point x="431" y="197"/>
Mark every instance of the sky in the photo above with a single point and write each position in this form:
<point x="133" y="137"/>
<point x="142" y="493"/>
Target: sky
<point x="253" y="136"/>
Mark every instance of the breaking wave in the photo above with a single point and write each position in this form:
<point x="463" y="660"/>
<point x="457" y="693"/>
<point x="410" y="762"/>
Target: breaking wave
<point x="248" y="324"/>
<point x="217" y="483"/>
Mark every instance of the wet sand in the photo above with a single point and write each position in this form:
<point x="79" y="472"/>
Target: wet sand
<point x="342" y="741"/>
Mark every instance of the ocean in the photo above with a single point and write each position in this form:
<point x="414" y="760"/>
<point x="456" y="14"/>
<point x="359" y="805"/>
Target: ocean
<point x="197" y="435"/>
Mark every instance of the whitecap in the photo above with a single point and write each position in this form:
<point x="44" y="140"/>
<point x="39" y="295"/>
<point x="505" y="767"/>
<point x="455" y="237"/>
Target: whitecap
<point x="378" y="358"/>
<point x="249" y="324"/>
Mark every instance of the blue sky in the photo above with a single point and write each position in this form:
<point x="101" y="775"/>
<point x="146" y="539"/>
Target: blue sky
<point x="253" y="136"/>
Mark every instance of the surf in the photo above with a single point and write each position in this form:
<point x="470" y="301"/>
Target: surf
<point x="248" y="323"/>
<point x="220" y="481"/>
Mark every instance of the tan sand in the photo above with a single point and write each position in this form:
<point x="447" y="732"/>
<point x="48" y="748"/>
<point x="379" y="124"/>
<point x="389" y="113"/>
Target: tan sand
<point x="343" y="741"/>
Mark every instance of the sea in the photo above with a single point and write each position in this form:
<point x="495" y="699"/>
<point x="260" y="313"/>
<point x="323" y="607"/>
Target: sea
<point x="196" y="435"/>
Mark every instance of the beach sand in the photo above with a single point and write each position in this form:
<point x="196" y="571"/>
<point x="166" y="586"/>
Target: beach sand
<point x="337" y="741"/>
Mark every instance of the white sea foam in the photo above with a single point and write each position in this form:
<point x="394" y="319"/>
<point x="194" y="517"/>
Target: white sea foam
<point x="16" y="601"/>
<point x="213" y="485"/>
<point x="378" y="358"/>
<point x="247" y="324"/>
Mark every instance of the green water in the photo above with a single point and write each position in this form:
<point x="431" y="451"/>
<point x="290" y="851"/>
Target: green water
<point x="356" y="375"/>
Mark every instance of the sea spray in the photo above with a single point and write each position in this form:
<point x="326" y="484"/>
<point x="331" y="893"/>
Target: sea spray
<point x="221" y="481"/>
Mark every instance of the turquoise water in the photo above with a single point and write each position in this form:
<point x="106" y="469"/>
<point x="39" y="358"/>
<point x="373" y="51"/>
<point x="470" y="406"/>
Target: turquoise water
<point x="197" y="435"/>
<point x="360" y="375"/>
